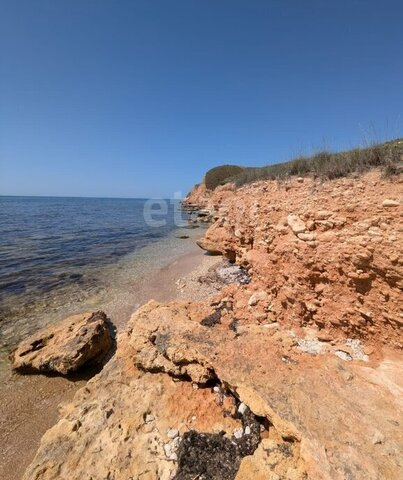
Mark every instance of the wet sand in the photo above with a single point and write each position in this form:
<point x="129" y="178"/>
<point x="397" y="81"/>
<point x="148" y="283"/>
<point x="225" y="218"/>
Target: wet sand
<point x="29" y="404"/>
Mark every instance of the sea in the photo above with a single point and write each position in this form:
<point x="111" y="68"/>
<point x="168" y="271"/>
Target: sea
<point x="60" y="256"/>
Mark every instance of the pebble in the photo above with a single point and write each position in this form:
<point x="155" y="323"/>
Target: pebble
<point x="307" y="237"/>
<point x="374" y="231"/>
<point x="167" y="449"/>
<point x="311" y="307"/>
<point x="149" y="418"/>
<point x="172" y="433"/>
<point x="388" y="202"/>
<point x="170" y="449"/>
<point x="327" y="236"/>
<point x="242" y="408"/>
<point x="238" y="433"/>
<point x="247" y="430"/>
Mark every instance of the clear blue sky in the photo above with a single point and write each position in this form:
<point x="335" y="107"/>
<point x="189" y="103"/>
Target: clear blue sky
<point x="139" y="98"/>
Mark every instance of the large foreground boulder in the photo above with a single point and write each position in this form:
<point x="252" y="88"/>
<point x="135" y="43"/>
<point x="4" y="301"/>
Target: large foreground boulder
<point x="65" y="346"/>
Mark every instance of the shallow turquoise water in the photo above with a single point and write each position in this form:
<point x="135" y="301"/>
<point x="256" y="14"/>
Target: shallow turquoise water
<point x="62" y="255"/>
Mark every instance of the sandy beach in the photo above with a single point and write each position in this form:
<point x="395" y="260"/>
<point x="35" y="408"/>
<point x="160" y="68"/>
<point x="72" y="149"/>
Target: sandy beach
<point x="29" y="403"/>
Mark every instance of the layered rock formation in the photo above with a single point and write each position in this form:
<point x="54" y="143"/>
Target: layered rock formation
<point x="327" y="254"/>
<point x="65" y="346"/>
<point x="291" y="372"/>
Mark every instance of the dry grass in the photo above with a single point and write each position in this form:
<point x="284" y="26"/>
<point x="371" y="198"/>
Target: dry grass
<point x="327" y="165"/>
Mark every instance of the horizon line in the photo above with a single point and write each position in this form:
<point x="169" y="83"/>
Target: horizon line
<point x="93" y="197"/>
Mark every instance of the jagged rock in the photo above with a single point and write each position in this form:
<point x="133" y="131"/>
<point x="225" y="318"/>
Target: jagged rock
<point x="115" y="426"/>
<point x="316" y="405"/>
<point x="272" y="460"/>
<point x="65" y="346"/>
<point x="197" y="198"/>
<point x="320" y="402"/>
<point x="211" y="247"/>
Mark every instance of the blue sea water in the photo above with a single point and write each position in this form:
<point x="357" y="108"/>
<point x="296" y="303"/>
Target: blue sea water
<point x="55" y="250"/>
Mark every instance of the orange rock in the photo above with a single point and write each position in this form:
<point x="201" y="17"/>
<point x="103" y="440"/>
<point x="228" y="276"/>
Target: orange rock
<point x="358" y="243"/>
<point x="65" y="346"/>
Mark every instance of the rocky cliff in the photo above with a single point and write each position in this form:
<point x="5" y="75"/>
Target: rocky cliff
<point x="291" y="373"/>
<point x="321" y="254"/>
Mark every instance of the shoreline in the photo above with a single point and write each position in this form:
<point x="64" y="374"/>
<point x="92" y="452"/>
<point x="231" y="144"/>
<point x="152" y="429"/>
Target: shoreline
<point x="29" y="404"/>
<point x="115" y="288"/>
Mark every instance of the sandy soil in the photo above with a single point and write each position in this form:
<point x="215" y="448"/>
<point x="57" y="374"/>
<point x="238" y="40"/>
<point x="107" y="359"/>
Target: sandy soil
<point x="29" y="404"/>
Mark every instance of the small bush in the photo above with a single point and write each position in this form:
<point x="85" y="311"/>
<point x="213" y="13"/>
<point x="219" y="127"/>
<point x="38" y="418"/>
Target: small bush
<point x="219" y="175"/>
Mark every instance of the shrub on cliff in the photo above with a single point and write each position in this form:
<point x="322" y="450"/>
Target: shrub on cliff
<point x="329" y="165"/>
<point x="220" y="175"/>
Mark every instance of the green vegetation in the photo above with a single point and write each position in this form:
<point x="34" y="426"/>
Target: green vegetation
<point x="220" y="175"/>
<point x="325" y="165"/>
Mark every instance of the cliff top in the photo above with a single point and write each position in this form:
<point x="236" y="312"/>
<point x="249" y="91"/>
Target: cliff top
<point x="324" y="164"/>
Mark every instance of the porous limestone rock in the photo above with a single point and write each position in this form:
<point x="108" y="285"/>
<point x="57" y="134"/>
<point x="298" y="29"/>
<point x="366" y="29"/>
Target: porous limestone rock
<point x="319" y="243"/>
<point x="116" y="425"/>
<point x="65" y="346"/>
<point x="209" y="246"/>
<point x="320" y="403"/>
<point x="316" y="409"/>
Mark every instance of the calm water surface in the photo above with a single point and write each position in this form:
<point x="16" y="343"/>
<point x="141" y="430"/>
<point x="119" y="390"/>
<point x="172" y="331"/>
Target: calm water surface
<point x="57" y="253"/>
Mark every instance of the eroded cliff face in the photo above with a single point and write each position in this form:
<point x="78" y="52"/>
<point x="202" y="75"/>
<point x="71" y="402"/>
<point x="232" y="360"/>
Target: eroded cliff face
<point x="292" y="372"/>
<point x="321" y="254"/>
<point x="198" y="196"/>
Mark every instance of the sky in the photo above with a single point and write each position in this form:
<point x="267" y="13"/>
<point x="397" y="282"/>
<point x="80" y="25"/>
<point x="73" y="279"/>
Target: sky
<point x="139" y="98"/>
